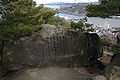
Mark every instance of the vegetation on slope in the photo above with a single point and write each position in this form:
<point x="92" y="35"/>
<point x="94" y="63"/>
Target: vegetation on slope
<point x="105" y="9"/>
<point x="82" y="26"/>
<point x="115" y="48"/>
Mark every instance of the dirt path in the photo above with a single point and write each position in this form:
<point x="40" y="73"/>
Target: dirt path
<point x="53" y="73"/>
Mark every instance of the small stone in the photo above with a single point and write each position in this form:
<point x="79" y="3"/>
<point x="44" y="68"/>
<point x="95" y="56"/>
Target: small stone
<point x="99" y="77"/>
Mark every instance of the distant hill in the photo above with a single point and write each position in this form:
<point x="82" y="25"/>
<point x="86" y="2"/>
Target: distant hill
<point x="76" y="9"/>
<point x="94" y="2"/>
<point x="64" y="3"/>
<point x="55" y="3"/>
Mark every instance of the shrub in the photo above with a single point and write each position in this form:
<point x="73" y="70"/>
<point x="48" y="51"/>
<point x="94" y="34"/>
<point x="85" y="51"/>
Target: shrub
<point x="116" y="48"/>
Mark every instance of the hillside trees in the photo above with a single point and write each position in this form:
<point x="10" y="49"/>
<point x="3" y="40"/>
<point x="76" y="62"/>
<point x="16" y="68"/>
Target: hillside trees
<point x="105" y="9"/>
<point x="82" y="26"/>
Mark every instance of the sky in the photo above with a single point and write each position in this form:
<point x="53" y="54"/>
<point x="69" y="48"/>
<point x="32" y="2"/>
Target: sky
<point x="70" y="1"/>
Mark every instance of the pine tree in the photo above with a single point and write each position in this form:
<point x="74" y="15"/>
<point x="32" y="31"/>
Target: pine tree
<point x="24" y="12"/>
<point x="22" y="16"/>
<point x="105" y="9"/>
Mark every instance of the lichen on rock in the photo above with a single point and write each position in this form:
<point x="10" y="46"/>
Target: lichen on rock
<point x="51" y="46"/>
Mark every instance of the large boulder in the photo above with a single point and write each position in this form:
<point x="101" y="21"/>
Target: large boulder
<point x="94" y="49"/>
<point x="112" y="71"/>
<point x="53" y="45"/>
<point x="51" y="30"/>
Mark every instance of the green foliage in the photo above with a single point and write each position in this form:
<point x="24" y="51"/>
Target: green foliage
<point x="17" y="32"/>
<point x="88" y="25"/>
<point x="90" y="29"/>
<point x="116" y="31"/>
<point x="77" y="26"/>
<point x="106" y="43"/>
<point x="58" y="21"/>
<point x="23" y="17"/>
<point x="105" y="9"/>
<point x="116" y="48"/>
<point x="108" y="1"/>
<point x="104" y="1"/>
<point x="22" y="12"/>
<point x="82" y="26"/>
<point x="97" y="14"/>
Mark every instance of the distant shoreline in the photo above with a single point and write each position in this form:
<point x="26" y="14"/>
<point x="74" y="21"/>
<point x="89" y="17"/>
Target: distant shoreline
<point x="71" y="13"/>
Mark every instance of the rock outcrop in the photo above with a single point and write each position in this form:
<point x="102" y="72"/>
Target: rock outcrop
<point x="76" y="9"/>
<point x="53" y="45"/>
<point x="112" y="71"/>
<point x="109" y="38"/>
<point x="118" y="38"/>
<point x="94" y="49"/>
